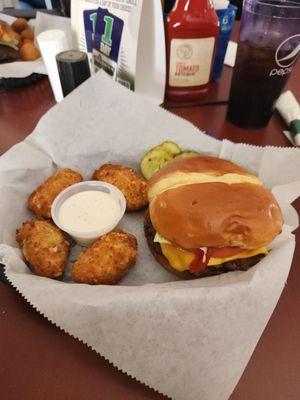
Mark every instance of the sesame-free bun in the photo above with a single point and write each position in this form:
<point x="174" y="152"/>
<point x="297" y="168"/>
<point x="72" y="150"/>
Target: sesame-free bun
<point x="200" y="169"/>
<point x="209" y="202"/>
<point x="8" y="36"/>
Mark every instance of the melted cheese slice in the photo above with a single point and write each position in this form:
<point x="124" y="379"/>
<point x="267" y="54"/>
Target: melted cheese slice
<point x="180" y="259"/>
<point x="243" y="254"/>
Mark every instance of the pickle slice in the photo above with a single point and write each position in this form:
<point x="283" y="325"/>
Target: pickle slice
<point x="186" y="154"/>
<point x="170" y="147"/>
<point x="154" y="160"/>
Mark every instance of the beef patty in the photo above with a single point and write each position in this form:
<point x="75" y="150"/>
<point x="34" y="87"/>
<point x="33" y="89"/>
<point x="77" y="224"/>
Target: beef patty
<point x="233" y="265"/>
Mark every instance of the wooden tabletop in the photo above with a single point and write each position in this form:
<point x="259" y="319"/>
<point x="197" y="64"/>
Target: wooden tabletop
<point x="38" y="361"/>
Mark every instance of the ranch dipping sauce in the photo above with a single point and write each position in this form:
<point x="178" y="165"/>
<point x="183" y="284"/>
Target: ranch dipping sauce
<point x="88" y="211"/>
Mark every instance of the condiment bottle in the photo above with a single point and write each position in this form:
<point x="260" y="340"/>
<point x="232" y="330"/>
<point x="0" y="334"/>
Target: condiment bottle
<point x="191" y="35"/>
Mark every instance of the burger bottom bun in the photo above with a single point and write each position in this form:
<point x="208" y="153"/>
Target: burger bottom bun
<point x="8" y="54"/>
<point x="234" y="265"/>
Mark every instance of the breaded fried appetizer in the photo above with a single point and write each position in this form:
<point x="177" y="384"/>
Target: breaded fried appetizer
<point x="19" y="25"/>
<point x="29" y="51"/>
<point x="128" y="181"/>
<point x="107" y="260"/>
<point x="27" y="34"/>
<point x="44" y="247"/>
<point x="40" y="201"/>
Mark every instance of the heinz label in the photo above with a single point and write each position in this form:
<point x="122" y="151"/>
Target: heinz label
<point x="190" y="61"/>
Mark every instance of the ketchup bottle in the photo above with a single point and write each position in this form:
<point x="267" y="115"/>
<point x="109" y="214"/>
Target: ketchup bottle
<point x="192" y="28"/>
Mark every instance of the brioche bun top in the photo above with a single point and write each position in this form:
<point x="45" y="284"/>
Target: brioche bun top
<point x="210" y="202"/>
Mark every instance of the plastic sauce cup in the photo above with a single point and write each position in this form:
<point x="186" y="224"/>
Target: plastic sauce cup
<point x="87" y="238"/>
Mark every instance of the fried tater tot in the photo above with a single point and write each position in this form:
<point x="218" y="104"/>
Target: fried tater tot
<point x="29" y="51"/>
<point x="128" y="181"/>
<point x="107" y="260"/>
<point x="27" y="34"/>
<point x="19" y="25"/>
<point x="40" y="201"/>
<point x="44" y="247"/>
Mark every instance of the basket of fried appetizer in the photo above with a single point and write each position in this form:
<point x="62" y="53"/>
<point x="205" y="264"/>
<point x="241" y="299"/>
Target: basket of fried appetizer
<point x="17" y="44"/>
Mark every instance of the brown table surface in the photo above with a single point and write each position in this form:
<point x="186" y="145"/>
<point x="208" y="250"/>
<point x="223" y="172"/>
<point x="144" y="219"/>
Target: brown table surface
<point x="38" y="361"/>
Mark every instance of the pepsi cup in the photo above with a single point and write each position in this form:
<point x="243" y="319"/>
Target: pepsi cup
<point x="269" y="44"/>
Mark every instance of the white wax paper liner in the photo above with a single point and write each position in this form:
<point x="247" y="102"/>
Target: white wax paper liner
<point x="187" y="340"/>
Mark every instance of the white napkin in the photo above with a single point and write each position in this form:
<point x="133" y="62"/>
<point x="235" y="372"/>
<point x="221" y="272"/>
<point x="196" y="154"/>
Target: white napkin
<point x="230" y="55"/>
<point x="189" y="340"/>
<point x="51" y="43"/>
<point x="288" y="107"/>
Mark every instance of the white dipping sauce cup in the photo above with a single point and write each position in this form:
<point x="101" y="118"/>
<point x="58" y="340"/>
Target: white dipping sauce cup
<point x="87" y="238"/>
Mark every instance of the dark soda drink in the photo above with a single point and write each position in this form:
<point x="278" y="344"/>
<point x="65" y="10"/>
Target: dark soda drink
<point x="267" y="52"/>
<point x="255" y="86"/>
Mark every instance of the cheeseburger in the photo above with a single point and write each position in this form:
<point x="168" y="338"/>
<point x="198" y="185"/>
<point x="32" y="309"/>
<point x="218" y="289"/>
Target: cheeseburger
<point x="207" y="216"/>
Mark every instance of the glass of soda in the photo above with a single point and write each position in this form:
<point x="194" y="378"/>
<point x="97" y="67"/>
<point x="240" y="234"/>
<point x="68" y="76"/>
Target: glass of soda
<point x="269" y="43"/>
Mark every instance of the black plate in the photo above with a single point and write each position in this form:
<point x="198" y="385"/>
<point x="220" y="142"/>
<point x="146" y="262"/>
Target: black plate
<point x="2" y="276"/>
<point x="15" y="83"/>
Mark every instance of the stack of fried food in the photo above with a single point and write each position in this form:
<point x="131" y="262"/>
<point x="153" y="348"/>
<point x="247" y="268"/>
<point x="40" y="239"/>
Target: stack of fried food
<point x="17" y="42"/>
<point x="46" y="248"/>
